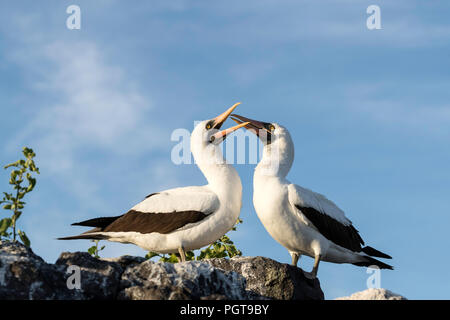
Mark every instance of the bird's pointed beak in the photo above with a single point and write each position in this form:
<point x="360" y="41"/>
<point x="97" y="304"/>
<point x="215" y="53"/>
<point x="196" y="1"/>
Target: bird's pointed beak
<point x="221" y="135"/>
<point x="257" y="127"/>
<point x="219" y="120"/>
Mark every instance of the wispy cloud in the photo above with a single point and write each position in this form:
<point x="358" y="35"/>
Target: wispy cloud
<point x="91" y="126"/>
<point x="95" y="105"/>
<point x="80" y="110"/>
<point x="426" y="116"/>
<point x="275" y="23"/>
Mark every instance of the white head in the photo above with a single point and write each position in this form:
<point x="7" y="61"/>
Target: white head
<point x="278" y="152"/>
<point x="205" y="147"/>
<point x="205" y="144"/>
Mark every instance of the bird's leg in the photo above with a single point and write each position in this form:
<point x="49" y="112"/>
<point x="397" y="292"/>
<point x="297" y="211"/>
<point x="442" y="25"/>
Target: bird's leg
<point x="313" y="273"/>
<point x="295" y="256"/>
<point x="182" y="254"/>
<point x="316" y="265"/>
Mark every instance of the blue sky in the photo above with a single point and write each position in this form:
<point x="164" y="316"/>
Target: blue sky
<point x="368" y="110"/>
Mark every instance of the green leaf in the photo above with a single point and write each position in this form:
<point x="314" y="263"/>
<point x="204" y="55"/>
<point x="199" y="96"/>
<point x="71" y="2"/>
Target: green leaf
<point x="4" y="225"/>
<point x="92" y="250"/>
<point x="14" y="164"/>
<point x="7" y="206"/>
<point x="32" y="183"/>
<point x="24" y="238"/>
<point x="190" y="255"/>
<point x="7" y="196"/>
<point x="33" y="167"/>
<point x="28" y="153"/>
<point x="171" y="259"/>
<point x="151" y="254"/>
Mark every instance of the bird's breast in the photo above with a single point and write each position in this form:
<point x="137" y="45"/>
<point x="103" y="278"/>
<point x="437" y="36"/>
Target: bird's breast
<point x="271" y="202"/>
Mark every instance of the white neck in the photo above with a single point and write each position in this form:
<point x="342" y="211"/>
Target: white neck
<point x="277" y="158"/>
<point x="222" y="177"/>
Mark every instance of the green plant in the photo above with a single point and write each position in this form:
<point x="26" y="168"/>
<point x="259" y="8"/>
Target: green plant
<point x="94" y="250"/>
<point x="14" y="201"/>
<point x="172" y="258"/>
<point x="220" y="248"/>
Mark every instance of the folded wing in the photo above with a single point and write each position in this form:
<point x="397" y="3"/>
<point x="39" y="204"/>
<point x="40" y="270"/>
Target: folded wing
<point x="162" y="212"/>
<point x="325" y="217"/>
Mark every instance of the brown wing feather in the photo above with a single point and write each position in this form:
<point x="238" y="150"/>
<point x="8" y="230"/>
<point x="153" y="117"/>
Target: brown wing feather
<point x="145" y="222"/>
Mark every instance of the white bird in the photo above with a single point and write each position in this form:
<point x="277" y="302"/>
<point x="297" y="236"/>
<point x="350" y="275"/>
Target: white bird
<point x="303" y="221"/>
<point x="186" y="218"/>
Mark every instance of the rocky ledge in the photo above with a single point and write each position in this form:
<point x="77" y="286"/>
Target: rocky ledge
<point x="374" y="294"/>
<point x="78" y="275"/>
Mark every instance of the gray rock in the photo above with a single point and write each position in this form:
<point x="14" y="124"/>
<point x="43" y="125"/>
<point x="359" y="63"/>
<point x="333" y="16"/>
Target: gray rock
<point x="189" y="280"/>
<point x="269" y="279"/>
<point x="99" y="279"/>
<point x="24" y="275"/>
<point x="373" y="294"/>
<point x="126" y="261"/>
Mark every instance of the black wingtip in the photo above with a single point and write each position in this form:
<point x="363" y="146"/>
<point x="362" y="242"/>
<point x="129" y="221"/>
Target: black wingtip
<point x="375" y="253"/>
<point x="85" y="237"/>
<point x="369" y="261"/>
<point x="101" y="222"/>
<point x="66" y="238"/>
<point x="71" y="238"/>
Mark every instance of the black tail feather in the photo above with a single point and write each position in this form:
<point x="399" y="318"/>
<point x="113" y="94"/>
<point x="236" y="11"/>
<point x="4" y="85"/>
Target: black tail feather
<point x="375" y="253"/>
<point x="101" y="223"/>
<point x="85" y="236"/>
<point x="369" y="261"/>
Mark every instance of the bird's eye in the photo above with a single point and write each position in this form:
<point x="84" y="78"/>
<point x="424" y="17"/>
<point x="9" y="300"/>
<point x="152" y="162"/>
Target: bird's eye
<point x="272" y="127"/>
<point x="208" y="126"/>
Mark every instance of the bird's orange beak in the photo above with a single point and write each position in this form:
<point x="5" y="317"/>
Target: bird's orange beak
<point x="219" y="120"/>
<point x="221" y="135"/>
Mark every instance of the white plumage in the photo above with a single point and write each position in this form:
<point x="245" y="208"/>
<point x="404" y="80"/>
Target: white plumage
<point x="303" y="221"/>
<point x="307" y="198"/>
<point x="186" y="218"/>
<point x="197" y="198"/>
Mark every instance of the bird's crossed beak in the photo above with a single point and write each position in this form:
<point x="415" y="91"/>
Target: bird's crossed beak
<point x="219" y="120"/>
<point x="257" y="127"/>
